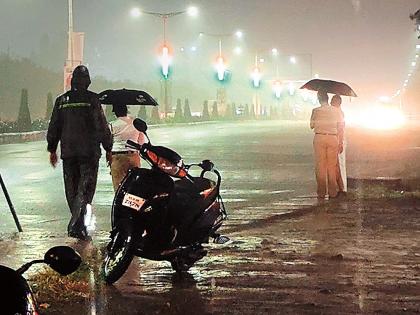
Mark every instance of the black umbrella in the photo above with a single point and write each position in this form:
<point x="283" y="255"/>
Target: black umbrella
<point x="329" y="86"/>
<point x="126" y="97"/>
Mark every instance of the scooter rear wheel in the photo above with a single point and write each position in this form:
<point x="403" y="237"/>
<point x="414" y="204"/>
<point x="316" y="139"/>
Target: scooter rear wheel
<point x="119" y="256"/>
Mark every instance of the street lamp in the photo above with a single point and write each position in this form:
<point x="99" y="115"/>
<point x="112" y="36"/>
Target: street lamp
<point x="165" y="58"/>
<point x="221" y="68"/>
<point x="256" y="73"/>
<point x="239" y="34"/>
<point x="256" y="76"/>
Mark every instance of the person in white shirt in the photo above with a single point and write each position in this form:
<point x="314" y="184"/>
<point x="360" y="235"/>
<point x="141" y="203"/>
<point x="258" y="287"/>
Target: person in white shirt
<point x="123" y="159"/>
<point x="327" y="123"/>
<point x="341" y="165"/>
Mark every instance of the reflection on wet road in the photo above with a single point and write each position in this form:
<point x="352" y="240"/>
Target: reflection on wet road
<point x="285" y="256"/>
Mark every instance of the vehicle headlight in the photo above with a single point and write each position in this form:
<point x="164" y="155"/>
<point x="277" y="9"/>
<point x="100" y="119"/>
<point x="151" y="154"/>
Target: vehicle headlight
<point x="168" y="167"/>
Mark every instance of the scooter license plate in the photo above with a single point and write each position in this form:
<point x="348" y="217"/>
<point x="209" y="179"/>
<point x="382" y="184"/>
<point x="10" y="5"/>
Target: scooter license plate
<point x="133" y="201"/>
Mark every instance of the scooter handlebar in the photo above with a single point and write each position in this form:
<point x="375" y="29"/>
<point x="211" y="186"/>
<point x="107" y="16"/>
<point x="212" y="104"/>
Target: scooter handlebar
<point x="133" y="145"/>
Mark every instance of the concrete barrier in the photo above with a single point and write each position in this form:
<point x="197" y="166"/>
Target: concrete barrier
<point x="18" y="137"/>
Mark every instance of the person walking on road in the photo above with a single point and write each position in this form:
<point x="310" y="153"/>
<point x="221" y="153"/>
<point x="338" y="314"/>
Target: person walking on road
<point x="123" y="159"/>
<point x="79" y="124"/>
<point x="327" y="123"/>
<point x="341" y="164"/>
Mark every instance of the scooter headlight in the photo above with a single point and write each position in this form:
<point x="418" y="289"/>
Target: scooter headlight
<point x="172" y="169"/>
<point x="168" y="167"/>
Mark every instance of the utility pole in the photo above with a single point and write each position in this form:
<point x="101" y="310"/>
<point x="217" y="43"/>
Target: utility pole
<point x="75" y="42"/>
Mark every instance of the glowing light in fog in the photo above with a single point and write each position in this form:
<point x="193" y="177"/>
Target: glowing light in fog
<point x="165" y="60"/>
<point x="384" y="99"/>
<point x="277" y="89"/>
<point x="192" y="11"/>
<point x="256" y="77"/>
<point x="135" y="12"/>
<point x="220" y="68"/>
<point x="291" y="89"/>
<point x="237" y="50"/>
<point x="239" y="34"/>
<point x="376" y="117"/>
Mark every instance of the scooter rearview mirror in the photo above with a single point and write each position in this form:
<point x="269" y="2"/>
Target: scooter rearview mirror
<point x="63" y="259"/>
<point x="140" y="125"/>
<point x="207" y="165"/>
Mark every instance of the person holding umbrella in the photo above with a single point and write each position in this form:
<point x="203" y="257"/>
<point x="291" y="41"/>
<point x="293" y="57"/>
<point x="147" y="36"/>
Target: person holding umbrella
<point x="123" y="159"/>
<point x="327" y="123"/>
<point x="122" y="129"/>
<point x="341" y="159"/>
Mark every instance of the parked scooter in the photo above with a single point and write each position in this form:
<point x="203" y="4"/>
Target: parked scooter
<point x="163" y="213"/>
<point x="17" y="297"/>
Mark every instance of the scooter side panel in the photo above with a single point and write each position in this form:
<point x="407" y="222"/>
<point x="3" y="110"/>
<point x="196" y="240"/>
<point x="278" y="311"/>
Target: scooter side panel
<point x="143" y="183"/>
<point x="199" y="230"/>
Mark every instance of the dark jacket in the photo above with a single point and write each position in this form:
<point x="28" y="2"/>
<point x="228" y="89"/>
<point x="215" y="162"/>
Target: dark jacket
<point x="79" y="124"/>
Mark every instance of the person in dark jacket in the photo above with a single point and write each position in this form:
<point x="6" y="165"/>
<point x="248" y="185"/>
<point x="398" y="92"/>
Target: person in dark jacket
<point x="79" y="124"/>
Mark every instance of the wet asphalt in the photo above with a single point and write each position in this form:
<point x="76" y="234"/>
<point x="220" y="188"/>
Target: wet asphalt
<point x="284" y="256"/>
<point x="262" y="163"/>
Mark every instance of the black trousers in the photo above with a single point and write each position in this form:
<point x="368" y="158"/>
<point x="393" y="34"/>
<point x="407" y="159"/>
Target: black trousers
<point x="80" y="176"/>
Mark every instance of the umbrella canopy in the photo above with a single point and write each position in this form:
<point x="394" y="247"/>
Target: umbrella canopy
<point x="329" y="86"/>
<point x="126" y="97"/>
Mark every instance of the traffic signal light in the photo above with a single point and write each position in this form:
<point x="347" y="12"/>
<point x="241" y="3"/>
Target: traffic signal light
<point x="165" y="61"/>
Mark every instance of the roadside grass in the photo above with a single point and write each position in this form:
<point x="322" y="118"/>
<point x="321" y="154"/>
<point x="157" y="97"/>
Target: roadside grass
<point x="52" y="288"/>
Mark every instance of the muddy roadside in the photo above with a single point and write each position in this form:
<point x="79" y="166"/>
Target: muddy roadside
<point x="353" y="256"/>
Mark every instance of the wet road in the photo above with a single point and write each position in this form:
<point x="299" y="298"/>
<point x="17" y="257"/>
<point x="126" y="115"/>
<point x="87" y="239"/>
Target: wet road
<point x="285" y="257"/>
<point x="262" y="163"/>
<point x="265" y="167"/>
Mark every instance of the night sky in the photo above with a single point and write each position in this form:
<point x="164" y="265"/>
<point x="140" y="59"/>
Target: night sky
<point x="366" y="43"/>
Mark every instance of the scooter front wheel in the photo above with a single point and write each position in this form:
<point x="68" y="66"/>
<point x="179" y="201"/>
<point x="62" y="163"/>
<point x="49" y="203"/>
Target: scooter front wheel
<point x="119" y="256"/>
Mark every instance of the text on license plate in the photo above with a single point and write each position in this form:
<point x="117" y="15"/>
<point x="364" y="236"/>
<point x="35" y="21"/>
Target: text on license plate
<point x="133" y="201"/>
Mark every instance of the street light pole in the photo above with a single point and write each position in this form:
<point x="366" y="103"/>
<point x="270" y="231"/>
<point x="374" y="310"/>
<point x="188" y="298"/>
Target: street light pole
<point x="165" y="50"/>
<point x="220" y="65"/>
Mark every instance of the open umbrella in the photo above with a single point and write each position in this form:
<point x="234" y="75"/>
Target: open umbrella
<point x="329" y="86"/>
<point x="126" y="97"/>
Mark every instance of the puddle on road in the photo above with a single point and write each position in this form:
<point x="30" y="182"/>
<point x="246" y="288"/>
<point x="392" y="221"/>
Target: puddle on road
<point x="297" y="262"/>
<point x="280" y="192"/>
<point x="158" y="277"/>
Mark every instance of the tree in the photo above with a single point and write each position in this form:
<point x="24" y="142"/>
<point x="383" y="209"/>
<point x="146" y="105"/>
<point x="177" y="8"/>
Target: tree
<point x="155" y="117"/>
<point x="206" y="115"/>
<point x="178" y="117"/>
<point x="187" y="110"/>
<point x="228" y="113"/>
<point x="50" y="106"/>
<point x="142" y="113"/>
<point x="24" y="123"/>
<point x="246" y="111"/>
<point x="214" y="111"/>
<point x="233" y="110"/>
